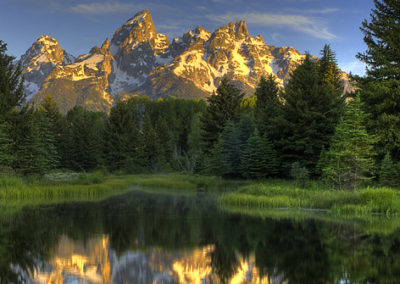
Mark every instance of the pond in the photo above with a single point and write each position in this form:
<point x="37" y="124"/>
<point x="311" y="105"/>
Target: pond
<point x="147" y="238"/>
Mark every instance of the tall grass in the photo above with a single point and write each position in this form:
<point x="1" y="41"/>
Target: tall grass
<point x="283" y="194"/>
<point x="87" y="186"/>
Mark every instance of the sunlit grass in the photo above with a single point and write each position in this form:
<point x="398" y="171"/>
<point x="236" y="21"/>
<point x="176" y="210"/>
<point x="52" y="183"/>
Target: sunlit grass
<point x="86" y="186"/>
<point x="283" y="194"/>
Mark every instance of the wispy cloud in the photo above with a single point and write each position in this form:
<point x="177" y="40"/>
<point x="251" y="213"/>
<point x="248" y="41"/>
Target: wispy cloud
<point x="307" y="25"/>
<point x="104" y="8"/>
<point x="355" y="67"/>
<point x="324" y="11"/>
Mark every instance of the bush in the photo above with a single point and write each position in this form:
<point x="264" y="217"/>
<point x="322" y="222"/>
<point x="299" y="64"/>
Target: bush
<point x="300" y="174"/>
<point x="381" y="199"/>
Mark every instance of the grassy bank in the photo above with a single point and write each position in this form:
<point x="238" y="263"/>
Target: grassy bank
<point x="284" y="194"/>
<point x="66" y="186"/>
<point x="17" y="192"/>
<point x="237" y="195"/>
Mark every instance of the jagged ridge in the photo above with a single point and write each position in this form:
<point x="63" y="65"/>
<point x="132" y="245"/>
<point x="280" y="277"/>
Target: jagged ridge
<point x="138" y="61"/>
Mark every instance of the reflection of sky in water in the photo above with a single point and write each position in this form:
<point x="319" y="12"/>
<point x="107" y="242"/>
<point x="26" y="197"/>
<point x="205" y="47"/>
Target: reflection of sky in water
<point x="94" y="262"/>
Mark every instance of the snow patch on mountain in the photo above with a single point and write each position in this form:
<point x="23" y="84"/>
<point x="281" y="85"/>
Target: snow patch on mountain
<point x="274" y="66"/>
<point x="91" y="61"/>
<point x="68" y="58"/>
<point x="122" y="81"/>
<point x="239" y="63"/>
<point x="114" y="49"/>
<point x="30" y="90"/>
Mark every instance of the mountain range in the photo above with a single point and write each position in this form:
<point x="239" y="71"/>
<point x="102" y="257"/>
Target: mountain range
<point x="140" y="61"/>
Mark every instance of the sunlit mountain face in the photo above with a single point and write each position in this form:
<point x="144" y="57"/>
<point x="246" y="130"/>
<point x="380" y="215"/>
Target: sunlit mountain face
<point x="140" y="61"/>
<point x="94" y="261"/>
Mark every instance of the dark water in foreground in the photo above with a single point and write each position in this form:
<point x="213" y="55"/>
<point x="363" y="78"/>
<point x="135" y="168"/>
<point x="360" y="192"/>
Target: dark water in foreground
<point x="142" y="238"/>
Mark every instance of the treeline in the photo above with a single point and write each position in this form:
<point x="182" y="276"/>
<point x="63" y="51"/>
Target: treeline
<point x="308" y="129"/>
<point x="278" y="132"/>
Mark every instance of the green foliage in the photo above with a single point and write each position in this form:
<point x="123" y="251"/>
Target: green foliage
<point x="258" y="160"/>
<point x="230" y="151"/>
<point x="380" y="200"/>
<point x="31" y="141"/>
<point x="122" y="136"/>
<point x="195" y="153"/>
<point x="11" y="83"/>
<point x="380" y="89"/>
<point x="286" y="194"/>
<point x="310" y="113"/>
<point x="222" y="107"/>
<point x="300" y="174"/>
<point x="6" y="145"/>
<point x="330" y="72"/>
<point x="149" y="151"/>
<point x="268" y="107"/>
<point x="143" y="135"/>
<point x="349" y="160"/>
<point x="83" y="139"/>
<point x="388" y="175"/>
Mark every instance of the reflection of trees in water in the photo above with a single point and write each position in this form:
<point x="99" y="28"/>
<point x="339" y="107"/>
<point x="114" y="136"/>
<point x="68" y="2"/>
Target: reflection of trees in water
<point x="304" y="252"/>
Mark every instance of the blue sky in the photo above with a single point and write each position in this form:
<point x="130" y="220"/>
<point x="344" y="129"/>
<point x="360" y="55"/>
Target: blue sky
<point x="78" y="25"/>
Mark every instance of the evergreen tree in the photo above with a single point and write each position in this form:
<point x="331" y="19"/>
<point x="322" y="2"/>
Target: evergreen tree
<point x="230" y="151"/>
<point x="149" y="150"/>
<point x="350" y="157"/>
<point x="268" y="106"/>
<point x="380" y="89"/>
<point x="11" y="83"/>
<point x="49" y="121"/>
<point x="164" y="145"/>
<point x="330" y="72"/>
<point x="85" y="143"/>
<point x="47" y="137"/>
<point x="258" y="160"/>
<point x="309" y="116"/>
<point x="222" y="107"/>
<point x="31" y="154"/>
<point x="6" y="146"/>
<point x="388" y="175"/>
<point x="213" y="161"/>
<point x="123" y="137"/>
<point x="195" y="153"/>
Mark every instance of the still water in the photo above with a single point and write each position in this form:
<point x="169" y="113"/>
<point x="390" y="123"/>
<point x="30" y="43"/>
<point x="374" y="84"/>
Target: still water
<point x="146" y="238"/>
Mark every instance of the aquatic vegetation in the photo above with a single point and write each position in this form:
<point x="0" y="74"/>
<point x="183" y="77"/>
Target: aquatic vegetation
<point x="283" y="194"/>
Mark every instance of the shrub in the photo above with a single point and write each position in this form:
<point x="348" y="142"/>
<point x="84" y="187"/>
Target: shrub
<point x="381" y="199"/>
<point x="300" y="174"/>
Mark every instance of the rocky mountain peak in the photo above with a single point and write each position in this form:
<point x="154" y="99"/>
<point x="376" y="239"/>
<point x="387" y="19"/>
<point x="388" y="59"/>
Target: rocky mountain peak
<point x="196" y="34"/>
<point x="138" y="29"/>
<point x="105" y="46"/>
<point x="138" y="60"/>
<point x="241" y="30"/>
<point x="139" y="17"/>
<point x="44" y="50"/>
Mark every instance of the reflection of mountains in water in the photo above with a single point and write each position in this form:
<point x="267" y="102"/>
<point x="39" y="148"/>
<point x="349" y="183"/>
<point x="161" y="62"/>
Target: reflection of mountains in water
<point x="95" y="262"/>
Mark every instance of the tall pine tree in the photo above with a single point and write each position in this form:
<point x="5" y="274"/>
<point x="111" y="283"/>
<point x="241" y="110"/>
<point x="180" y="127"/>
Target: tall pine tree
<point x="380" y="88"/>
<point x="309" y="115"/>
<point x="268" y="106"/>
<point x="11" y="83"/>
<point x="349" y="160"/>
<point x="258" y="160"/>
<point x="222" y="107"/>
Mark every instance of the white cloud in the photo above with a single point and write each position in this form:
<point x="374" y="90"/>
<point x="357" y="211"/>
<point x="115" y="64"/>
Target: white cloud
<point x="355" y="67"/>
<point x="324" y="11"/>
<point x="307" y="25"/>
<point x="104" y="8"/>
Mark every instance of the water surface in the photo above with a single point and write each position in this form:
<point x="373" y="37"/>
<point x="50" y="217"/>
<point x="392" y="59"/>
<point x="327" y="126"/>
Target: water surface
<point x="147" y="238"/>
